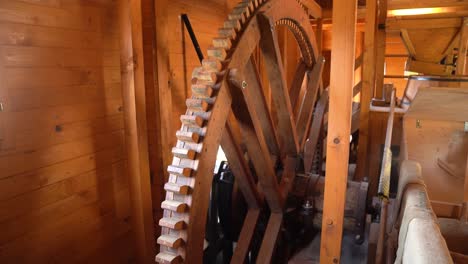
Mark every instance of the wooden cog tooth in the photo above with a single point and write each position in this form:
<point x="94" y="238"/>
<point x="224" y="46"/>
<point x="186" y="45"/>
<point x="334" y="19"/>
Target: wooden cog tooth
<point x="224" y="43"/>
<point x="234" y="23"/>
<point x="188" y="136"/>
<point x="211" y="64"/>
<point x="179" y="171"/>
<point x="218" y="53"/>
<point x="174" y="206"/>
<point x="176" y="188"/>
<point x="201" y="90"/>
<point x="168" y="258"/>
<point x="239" y="17"/>
<point x="227" y="33"/>
<point x="201" y="73"/>
<point x="197" y="104"/>
<point x="183" y="153"/>
<point x="170" y="241"/>
<point x="191" y="120"/>
<point x="173" y="223"/>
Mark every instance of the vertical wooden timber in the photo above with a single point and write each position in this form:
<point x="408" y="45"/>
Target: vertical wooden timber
<point x="339" y="125"/>
<point x="319" y="34"/>
<point x="368" y="82"/>
<point x="465" y="195"/>
<point x="462" y="49"/>
<point x="380" y="40"/>
<point x="164" y="95"/>
<point x="136" y="140"/>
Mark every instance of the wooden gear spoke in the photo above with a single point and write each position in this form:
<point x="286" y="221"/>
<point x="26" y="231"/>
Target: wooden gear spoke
<point x="256" y="146"/>
<point x="274" y="68"/>
<point x="296" y="85"/>
<point x="307" y="105"/>
<point x="238" y="164"/>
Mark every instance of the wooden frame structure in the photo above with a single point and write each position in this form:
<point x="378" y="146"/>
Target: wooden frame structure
<point x="228" y="108"/>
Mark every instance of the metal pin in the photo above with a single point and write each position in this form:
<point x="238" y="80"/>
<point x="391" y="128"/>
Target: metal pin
<point x="244" y="84"/>
<point x="418" y="123"/>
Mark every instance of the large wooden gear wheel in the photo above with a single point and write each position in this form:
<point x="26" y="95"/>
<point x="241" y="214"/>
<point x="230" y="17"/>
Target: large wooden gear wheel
<point x="228" y="108"/>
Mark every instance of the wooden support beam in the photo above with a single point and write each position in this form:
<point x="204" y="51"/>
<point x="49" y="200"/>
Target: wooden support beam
<point x="238" y="164"/>
<point x="380" y="51"/>
<point x="462" y="49"/>
<point x="245" y="237"/>
<point x="368" y="82"/>
<point x="428" y="68"/>
<point x="269" y="240"/>
<point x="306" y="109"/>
<point x="274" y="67"/>
<point x="408" y="44"/>
<point x="136" y="138"/>
<point x="339" y="126"/>
<point x="163" y="93"/>
<point x="319" y="35"/>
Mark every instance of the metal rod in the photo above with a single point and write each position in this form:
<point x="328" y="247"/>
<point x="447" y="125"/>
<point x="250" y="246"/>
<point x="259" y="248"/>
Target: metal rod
<point x="187" y="24"/>
<point x="384" y="182"/>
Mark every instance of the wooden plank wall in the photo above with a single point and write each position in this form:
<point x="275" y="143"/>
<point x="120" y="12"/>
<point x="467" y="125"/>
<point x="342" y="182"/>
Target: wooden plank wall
<point x="63" y="187"/>
<point x="63" y="182"/>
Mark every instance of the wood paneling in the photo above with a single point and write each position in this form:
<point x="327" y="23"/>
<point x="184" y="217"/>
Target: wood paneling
<point x="64" y="195"/>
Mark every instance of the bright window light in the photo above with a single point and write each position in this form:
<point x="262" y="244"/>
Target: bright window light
<point x="416" y="11"/>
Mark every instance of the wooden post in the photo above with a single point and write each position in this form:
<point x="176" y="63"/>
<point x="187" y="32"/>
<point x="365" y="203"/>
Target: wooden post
<point x="462" y="49"/>
<point x="339" y="126"/>
<point x="136" y="139"/>
<point x="380" y="41"/>
<point x="319" y="33"/>
<point x="368" y="82"/>
<point x="164" y="95"/>
<point x="464" y="216"/>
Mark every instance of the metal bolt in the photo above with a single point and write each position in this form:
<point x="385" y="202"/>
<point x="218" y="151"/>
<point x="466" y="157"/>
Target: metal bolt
<point x="244" y="84"/>
<point x="418" y="123"/>
<point x="336" y="140"/>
